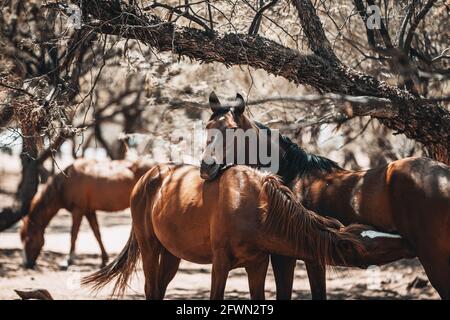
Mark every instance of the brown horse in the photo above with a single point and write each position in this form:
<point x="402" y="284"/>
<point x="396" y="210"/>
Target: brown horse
<point x="234" y="221"/>
<point x="410" y="197"/>
<point x="84" y="187"/>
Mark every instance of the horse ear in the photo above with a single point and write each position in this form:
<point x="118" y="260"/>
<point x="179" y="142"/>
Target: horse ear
<point x="214" y="102"/>
<point x="239" y="104"/>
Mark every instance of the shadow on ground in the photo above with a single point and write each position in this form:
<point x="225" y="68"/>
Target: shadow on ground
<point x="192" y="281"/>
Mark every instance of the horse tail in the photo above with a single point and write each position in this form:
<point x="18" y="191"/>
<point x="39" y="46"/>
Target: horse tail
<point x="315" y="237"/>
<point x="120" y="269"/>
<point x="124" y="264"/>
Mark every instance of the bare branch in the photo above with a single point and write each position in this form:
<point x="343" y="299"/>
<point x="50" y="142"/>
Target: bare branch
<point x="181" y="13"/>
<point x="401" y="37"/>
<point x="17" y="89"/>
<point x="313" y="29"/>
<point x="416" y="22"/>
<point x="254" y="27"/>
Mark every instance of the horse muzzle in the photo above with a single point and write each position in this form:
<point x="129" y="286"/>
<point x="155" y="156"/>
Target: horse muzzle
<point x="210" y="171"/>
<point x="27" y="264"/>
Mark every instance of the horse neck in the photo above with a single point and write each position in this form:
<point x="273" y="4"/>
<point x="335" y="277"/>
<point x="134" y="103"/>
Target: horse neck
<point x="302" y="184"/>
<point x="250" y="125"/>
<point x="297" y="164"/>
<point x="44" y="207"/>
<point x="294" y="161"/>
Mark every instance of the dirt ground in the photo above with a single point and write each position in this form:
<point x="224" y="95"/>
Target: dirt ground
<point x="192" y="281"/>
<point x="404" y="279"/>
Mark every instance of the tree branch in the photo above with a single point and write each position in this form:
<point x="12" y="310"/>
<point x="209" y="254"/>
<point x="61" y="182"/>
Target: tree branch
<point x="254" y="27"/>
<point x="417" y="118"/>
<point x="416" y="22"/>
<point x="401" y="37"/>
<point x="313" y="29"/>
<point x="184" y="13"/>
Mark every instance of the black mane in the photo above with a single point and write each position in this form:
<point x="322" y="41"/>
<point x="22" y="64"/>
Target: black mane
<point x="296" y="162"/>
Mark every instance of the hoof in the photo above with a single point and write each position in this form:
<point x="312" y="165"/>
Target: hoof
<point x="29" y="265"/>
<point x="63" y="265"/>
<point x="70" y="262"/>
<point x="71" y="259"/>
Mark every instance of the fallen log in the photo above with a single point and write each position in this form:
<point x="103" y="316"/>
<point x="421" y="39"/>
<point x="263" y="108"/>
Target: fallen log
<point x="34" y="294"/>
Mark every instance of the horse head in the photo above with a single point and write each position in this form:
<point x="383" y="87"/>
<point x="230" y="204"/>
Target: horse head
<point x="32" y="237"/>
<point x="226" y="121"/>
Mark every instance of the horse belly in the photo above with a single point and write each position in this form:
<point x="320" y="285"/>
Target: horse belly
<point x="185" y="233"/>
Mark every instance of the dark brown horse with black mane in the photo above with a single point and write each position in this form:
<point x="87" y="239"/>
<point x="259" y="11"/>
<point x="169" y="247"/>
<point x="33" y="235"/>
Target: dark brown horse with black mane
<point x="234" y="221"/>
<point x="410" y="197"/>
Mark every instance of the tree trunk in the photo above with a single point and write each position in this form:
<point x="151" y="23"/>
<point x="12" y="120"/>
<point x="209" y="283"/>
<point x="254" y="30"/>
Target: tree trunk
<point x="28" y="184"/>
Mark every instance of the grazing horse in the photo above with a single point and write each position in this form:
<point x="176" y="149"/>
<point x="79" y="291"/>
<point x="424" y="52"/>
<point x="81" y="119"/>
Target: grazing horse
<point x="84" y="187"/>
<point x="234" y="221"/>
<point x="410" y="197"/>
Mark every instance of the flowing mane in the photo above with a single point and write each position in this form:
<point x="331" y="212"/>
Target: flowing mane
<point x="296" y="162"/>
<point x="289" y="219"/>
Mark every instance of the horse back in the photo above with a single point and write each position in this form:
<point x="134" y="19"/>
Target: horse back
<point x="98" y="185"/>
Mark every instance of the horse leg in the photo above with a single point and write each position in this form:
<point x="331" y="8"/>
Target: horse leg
<point x="437" y="268"/>
<point x="92" y="218"/>
<point x="220" y="269"/>
<point x="150" y="251"/>
<point x="168" y="267"/>
<point x="317" y="280"/>
<point x="77" y="216"/>
<point x="257" y="277"/>
<point x="283" y="270"/>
